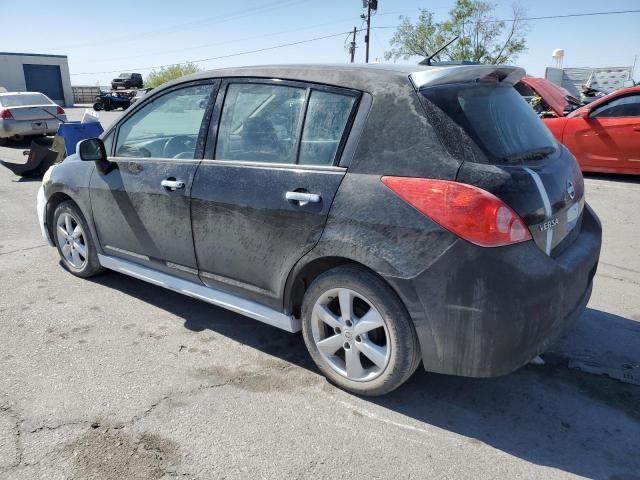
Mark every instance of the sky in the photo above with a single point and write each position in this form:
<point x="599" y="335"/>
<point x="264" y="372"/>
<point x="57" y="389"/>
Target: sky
<point x="103" y="39"/>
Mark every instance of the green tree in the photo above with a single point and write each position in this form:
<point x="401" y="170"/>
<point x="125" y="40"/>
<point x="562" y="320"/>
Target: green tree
<point x="482" y="37"/>
<point x="165" y="74"/>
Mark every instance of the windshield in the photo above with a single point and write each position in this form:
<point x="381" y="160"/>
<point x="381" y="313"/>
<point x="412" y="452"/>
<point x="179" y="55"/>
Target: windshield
<point x="24" y="100"/>
<point x="123" y="75"/>
<point x="495" y="117"/>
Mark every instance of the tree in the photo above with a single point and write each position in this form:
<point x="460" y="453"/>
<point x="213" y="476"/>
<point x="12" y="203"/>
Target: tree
<point x="165" y="74"/>
<point x="482" y="37"/>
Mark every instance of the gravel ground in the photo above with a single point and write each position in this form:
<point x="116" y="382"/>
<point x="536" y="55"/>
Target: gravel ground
<point x="113" y="378"/>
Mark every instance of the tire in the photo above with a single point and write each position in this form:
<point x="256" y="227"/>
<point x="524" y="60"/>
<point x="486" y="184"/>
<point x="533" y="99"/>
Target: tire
<point x="379" y="326"/>
<point x="97" y="106"/>
<point x="82" y="262"/>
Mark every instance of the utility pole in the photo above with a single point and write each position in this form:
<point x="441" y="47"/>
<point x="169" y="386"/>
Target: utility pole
<point x="366" y="38"/>
<point x="371" y="6"/>
<point x="352" y="48"/>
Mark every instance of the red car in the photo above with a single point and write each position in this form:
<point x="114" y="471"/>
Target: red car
<point x="604" y="135"/>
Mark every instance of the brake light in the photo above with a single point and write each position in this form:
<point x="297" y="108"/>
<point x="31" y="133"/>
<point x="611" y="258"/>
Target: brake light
<point x="467" y="211"/>
<point x="5" y="114"/>
<point x="60" y="111"/>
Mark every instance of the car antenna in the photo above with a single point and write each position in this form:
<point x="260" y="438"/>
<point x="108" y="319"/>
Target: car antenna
<point x="427" y="61"/>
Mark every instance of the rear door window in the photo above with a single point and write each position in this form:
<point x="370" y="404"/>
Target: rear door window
<point x="494" y="116"/>
<point x="282" y="124"/>
<point x="324" y="126"/>
<point x="260" y="123"/>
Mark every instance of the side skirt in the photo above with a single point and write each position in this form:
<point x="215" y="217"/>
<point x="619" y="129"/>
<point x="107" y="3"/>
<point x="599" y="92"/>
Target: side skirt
<point x="211" y="295"/>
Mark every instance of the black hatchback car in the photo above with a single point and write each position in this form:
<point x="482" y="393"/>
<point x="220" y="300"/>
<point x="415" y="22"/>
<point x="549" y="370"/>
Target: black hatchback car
<point x="394" y="215"/>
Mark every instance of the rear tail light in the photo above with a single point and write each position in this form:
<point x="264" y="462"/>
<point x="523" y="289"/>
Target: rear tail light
<point x="60" y="111"/>
<point x="467" y="211"/>
<point x="5" y="114"/>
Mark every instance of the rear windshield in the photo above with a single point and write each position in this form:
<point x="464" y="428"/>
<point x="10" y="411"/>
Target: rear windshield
<point x="24" y="100"/>
<point x="495" y="117"/>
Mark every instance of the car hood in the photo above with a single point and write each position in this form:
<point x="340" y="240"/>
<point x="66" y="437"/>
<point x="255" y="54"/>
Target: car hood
<point x="555" y="96"/>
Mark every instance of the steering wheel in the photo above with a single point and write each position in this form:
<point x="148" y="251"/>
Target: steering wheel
<point x="177" y="145"/>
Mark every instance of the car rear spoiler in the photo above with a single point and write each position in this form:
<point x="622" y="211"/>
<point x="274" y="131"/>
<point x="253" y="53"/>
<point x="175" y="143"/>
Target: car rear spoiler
<point x="465" y="73"/>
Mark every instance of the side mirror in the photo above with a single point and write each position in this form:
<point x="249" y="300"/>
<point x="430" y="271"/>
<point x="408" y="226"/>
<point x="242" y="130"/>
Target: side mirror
<point x="93" y="150"/>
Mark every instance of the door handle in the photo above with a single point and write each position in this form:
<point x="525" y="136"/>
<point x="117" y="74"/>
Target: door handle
<point x="303" y="198"/>
<point x="636" y="129"/>
<point x="172" y="184"/>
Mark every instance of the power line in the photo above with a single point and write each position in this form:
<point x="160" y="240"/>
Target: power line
<point x="247" y="52"/>
<point x="196" y="24"/>
<point x="222" y="56"/>
<point x="225" y="42"/>
<point x="571" y="15"/>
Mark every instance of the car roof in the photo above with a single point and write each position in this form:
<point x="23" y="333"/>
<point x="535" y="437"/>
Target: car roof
<point x="3" y="94"/>
<point x="369" y="77"/>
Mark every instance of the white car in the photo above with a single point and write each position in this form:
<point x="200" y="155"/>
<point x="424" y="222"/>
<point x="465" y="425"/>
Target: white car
<point x="28" y="113"/>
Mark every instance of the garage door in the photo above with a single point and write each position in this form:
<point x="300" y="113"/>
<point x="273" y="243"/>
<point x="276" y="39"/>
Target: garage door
<point x="45" y="79"/>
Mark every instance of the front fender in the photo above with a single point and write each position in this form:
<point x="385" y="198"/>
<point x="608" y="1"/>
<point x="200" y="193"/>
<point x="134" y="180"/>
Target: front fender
<point x="67" y="180"/>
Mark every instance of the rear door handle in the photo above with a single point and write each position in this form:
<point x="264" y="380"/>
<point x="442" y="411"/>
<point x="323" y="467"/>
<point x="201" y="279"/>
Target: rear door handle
<point x="303" y="198"/>
<point x="172" y="184"/>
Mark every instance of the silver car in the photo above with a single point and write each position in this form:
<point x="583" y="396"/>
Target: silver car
<point x="28" y="113"/>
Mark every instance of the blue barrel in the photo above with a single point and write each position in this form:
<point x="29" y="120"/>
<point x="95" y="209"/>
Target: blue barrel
<point x="73" y="132"/>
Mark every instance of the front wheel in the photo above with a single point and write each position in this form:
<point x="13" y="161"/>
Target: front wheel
<point x="97" y="106"/>
<point x="74" y="242"/>
<point x="358" y="332"/>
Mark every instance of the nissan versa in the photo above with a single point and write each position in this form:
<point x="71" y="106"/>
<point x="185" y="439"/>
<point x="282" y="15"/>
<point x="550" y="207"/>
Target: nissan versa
<point x="394" y="215"/>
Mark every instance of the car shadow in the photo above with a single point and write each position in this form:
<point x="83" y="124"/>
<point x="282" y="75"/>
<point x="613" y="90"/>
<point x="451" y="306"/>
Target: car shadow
<point x="612" y="177"/>
<point x="24" y="144"/>
<point x="548" y="415"/>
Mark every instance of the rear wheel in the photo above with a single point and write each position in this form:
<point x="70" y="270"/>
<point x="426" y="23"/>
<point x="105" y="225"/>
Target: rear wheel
<point x="74" y="242"/>
<point x="358" y="331"/>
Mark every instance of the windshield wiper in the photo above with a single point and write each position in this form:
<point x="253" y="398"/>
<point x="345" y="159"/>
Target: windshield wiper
<point x="538" y="154"/>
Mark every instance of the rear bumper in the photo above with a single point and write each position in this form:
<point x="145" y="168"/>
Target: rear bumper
<point x="10" y="128"/>
<point x="485" y="312"/>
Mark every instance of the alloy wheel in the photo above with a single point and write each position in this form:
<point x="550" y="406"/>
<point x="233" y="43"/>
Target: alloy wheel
<point x="72" y="241"/>
<point x="350" y="334"/>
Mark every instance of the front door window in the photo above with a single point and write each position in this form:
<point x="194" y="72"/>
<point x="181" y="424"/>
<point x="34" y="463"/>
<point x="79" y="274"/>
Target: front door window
<point x="166" y="127"/>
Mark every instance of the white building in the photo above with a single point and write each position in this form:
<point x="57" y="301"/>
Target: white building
<point x="603" y="79"/>
<point x="33" y="72"/>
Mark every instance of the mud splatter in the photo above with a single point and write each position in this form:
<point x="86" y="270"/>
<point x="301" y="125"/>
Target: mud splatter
<point x="111" y="453"/>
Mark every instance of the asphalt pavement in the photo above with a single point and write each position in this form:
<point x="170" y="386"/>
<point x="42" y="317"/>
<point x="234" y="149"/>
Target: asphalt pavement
<point x="114" y="378"/>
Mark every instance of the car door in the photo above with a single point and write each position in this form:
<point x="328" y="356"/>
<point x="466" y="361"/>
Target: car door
<point x="608" y="139"/>
<point x="141" y="207"/>
<point x="260" y="198"/>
